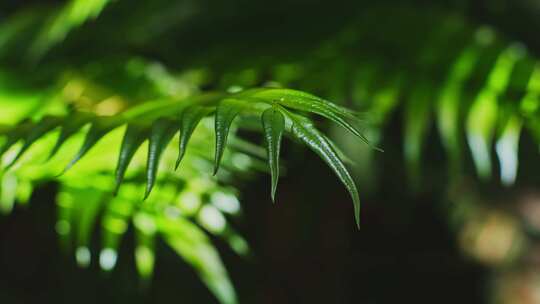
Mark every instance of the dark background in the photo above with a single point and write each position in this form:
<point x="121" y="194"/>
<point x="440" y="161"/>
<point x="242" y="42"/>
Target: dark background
<point x="305" y="249"/>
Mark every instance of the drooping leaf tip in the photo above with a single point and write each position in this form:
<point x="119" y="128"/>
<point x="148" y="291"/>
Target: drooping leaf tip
<point x="178" y="161"/>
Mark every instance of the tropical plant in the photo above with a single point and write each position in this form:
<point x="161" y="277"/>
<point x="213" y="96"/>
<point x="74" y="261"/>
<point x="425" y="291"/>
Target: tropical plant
<point x="145" y="104"/>
<point x="108" y="100"/>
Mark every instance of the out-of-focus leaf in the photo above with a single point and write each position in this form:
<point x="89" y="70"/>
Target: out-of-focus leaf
<point x="115" y="223"/>
<point x="100" y="127"/>
<point x="15" y="134"/>
<point x="273" y="125"/>
<point x="17" y="25"/>
<point x="482" y="118"/>
<point x="70" y="127"/>
<point x="65" y="223"/>
<point x="481" y="123"/>
<point x="450" y="102"/>
<point x="73" y="14"/>
<point x="194" y="246"/>
<point x="145" y="235"/>
<point x="86" y="203"/>
<point x="8" y="190"/>
<point x="507" y="150"/>
<point x="417" y="119"/>
<point x="45" y="125"/>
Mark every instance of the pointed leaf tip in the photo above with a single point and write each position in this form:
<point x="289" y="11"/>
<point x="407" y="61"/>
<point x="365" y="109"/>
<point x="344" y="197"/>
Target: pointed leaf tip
<point x="189" y="120"/>
<point x="161" y="134"/>
<point x="68" y="128"/>
<point x="303" y="129"/>
<point x="100" y="127"/>
<point x="273" y="126"/>
<point x="134" y="136"/>
<point x="38" y="130"/>
<point x="226" y="112"/>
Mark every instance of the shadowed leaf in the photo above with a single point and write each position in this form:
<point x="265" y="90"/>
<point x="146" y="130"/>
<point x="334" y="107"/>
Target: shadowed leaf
<point x="416" y="125"/>
<point x="70" y="127"/>
<point x="304" y="130"/>
<point x="273" y="125"/>
<point x="225" y="114"/>
<point x="145" y="238"/>
<point x="161" y="134"/>
<point x="134" y="136"/>
<point x="115" y="221"/>
<point x="189" y="120"/>
<point x="99" y="128"/>
<point x="38" y="130"/>
<point x="16" y="134"/>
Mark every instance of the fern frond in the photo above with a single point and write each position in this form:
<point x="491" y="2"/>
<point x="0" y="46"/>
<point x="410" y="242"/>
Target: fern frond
<point x="454" y="75"/>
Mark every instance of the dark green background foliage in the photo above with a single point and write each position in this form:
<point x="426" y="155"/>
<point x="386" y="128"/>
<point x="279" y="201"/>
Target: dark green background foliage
<point x="119" y="92"/>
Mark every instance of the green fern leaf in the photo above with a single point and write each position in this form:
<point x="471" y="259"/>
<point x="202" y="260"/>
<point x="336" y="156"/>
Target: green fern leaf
<point x="45" y="125"/>
<point x="189" y="120"/>
<point x="84" y="218"/>
<point x="300" y="101"/>
<point x="507" y="147"/>
<point x="450" y="104"/>
<point x="69" y="128"/>
<point x="226" y="112"/>
<point x="100" y="127"/>
<point x="417" y="121"/>
<point x="134" y="136"/>
<point x="115" y="223"/>
<point x="161" y="134"/>
<point x="303" y="129"/>
<point x="309" y="103"/>
<point x="72" y="15"/>
<point x="15" y="134"/>
<point x="145" y="238"/>
<point x="273" y="125"/>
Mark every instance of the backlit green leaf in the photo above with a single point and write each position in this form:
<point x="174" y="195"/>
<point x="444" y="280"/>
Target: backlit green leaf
<point x="145" y="238"/>
<point x="16" y="134"/>
<point x="115" y="223"/>
<point x="416" y="120"/>
<point x="83" y="216"/>
<point x="507" y="150"/>
<point x="450" y="104"/>
<point x="72" y="15"/>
